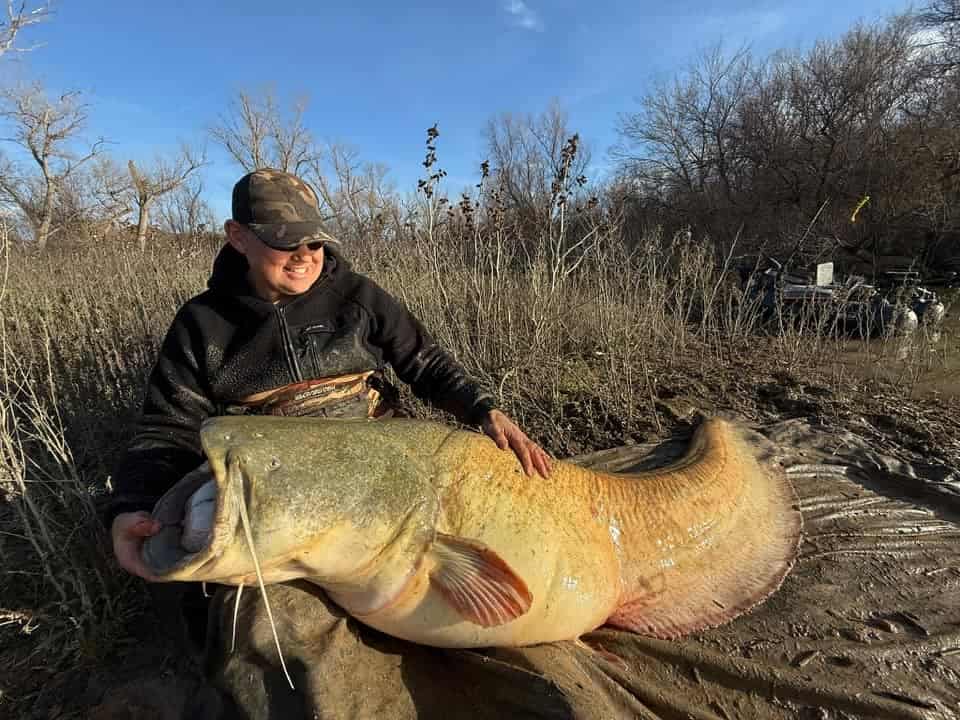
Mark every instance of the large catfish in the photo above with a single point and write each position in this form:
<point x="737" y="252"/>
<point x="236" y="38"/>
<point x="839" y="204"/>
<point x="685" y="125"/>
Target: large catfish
<point x="436" y="536"/>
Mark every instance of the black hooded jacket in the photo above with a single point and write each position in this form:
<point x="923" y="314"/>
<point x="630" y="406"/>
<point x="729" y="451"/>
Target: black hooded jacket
<point x="227" y="344"/>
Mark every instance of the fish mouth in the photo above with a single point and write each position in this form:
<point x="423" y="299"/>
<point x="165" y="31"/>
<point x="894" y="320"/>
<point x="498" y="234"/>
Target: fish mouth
<point x="198" y="520"/>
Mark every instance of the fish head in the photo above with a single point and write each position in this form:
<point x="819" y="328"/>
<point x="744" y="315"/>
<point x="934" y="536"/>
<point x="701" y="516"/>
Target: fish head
<point x="316" y="498"/>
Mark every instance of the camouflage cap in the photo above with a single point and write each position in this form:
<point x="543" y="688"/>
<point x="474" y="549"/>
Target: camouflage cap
<point x="280" y="208"/>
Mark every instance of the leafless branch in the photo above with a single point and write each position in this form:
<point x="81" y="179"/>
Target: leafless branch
<point x="256" y="133"/>
<point x="18" y="18"/>
<point x="45" y="129"/>
<point x="165" y="176"/>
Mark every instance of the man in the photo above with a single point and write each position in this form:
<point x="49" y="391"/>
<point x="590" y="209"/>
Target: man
<point x="285" y="327"/>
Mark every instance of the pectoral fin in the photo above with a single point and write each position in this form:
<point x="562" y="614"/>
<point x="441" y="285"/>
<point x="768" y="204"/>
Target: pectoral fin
<point x="477" y="582"/>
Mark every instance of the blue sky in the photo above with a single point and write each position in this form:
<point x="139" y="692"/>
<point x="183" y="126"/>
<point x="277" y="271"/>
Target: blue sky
<point x="377" y="74"/>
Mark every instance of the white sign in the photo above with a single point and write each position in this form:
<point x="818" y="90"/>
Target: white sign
<point x="825" y="273"/>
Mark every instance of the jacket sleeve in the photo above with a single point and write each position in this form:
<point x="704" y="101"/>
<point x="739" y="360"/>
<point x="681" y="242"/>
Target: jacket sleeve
<point x="432" y="373"/>
<point x="166" y="441"/>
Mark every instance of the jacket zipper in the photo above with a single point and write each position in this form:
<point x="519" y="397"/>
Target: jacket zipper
<point x="288" y="349"/>
<point x="311" y="343"/>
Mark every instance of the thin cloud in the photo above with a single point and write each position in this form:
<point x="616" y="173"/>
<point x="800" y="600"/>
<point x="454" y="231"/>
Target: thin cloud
<point x="522" y="15"/>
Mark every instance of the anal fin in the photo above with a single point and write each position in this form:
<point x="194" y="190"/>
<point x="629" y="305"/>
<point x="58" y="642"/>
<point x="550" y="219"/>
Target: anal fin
<point x="477" y="582"/>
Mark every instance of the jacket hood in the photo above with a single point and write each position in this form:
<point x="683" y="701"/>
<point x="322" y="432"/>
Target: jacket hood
<point x="229" y="274"/>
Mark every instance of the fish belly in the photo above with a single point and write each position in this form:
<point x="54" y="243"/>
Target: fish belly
<point x="564" y="555"/>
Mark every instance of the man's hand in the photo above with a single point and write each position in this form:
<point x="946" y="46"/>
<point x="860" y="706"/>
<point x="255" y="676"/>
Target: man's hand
<point x="506" y="434"/>
<point x="129" y="531"/>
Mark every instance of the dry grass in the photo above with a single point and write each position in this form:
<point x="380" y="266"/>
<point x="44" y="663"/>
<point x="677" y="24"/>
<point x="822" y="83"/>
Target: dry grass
<point x="580" y="346"/>
<point x="77" y="336"/>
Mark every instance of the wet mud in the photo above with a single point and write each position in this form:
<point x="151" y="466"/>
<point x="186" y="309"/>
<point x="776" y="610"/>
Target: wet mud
<point x="928" y="363"/>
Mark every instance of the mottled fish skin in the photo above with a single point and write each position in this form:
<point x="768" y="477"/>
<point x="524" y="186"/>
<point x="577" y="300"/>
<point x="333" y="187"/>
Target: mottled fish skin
<point x="436" y="536"/>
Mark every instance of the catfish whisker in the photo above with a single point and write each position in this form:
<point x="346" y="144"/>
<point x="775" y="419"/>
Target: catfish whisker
<point x="237" y="481"/>
<point x="236" y="612"/>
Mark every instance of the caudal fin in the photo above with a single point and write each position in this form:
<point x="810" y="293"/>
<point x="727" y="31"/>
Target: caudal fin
<point x="753" y="529"/>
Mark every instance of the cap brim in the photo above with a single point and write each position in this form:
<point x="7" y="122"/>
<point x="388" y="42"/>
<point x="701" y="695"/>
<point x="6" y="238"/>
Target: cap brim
<point x="287" y="236"/>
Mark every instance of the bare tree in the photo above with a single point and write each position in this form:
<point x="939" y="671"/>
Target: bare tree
<point x="44" y="128"/>
<point x="109" y="187"/>
<point x="164" y="177"/>
<point x="527" y="155"/>
<point x="90" y="201"/>
<point x="942" y="18"/>
<point x="258" y="134"/>
<point x="684" y="142"/>
<point x="354" y="195"/>
<point x="768" y="147"/>
<point x="184" y="213"/>
<point x="18" y="18"/>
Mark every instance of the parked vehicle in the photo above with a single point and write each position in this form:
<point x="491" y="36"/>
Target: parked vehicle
<point x="905" y="287"/>
<point x="849" y="308"/>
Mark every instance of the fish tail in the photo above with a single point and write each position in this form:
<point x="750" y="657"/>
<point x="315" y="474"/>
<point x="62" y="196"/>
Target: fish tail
<point x="729" y="568"/>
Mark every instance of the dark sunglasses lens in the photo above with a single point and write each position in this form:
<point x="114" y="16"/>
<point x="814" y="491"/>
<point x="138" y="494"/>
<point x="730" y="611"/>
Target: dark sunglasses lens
<point x="311" y="246"/>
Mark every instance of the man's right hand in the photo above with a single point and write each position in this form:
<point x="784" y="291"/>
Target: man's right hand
<point x="129" y="530"/>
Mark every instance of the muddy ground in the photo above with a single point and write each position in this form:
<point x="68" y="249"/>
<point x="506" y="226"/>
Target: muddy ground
<point x="921" y="429"/>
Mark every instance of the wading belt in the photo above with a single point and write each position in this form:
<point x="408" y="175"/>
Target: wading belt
<point x="366" y="394"/>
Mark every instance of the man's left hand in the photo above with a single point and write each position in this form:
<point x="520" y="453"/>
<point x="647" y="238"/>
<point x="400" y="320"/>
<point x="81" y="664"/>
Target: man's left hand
<point x="506" y="434"/>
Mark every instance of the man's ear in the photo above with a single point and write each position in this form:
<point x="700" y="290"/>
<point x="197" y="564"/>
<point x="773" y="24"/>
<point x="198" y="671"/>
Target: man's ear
<point x="236" y="236"/>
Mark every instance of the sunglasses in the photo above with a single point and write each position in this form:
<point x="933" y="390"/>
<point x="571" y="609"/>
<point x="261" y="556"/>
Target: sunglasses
<point x="312" y="246"/>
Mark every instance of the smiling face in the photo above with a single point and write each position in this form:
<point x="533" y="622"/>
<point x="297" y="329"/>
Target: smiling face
<point x="275" y="274"/>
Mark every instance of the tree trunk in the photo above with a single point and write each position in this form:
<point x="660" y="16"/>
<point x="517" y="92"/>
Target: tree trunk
<point x="142" y="225"/>
<point x="46" y="220"/>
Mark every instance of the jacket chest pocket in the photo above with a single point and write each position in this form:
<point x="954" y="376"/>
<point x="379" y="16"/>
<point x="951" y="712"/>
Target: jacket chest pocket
<point x="335" y="348"/>
<point x="314" y="343"/>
